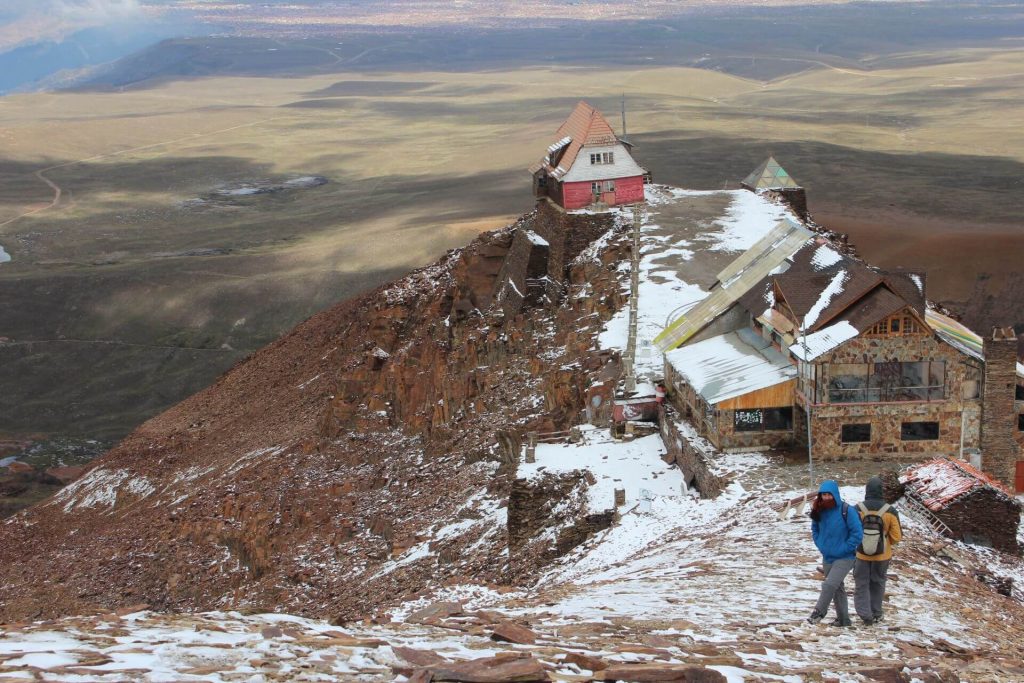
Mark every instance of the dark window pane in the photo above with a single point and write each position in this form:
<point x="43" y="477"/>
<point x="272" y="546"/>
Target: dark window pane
<point x="856" y="433"/>
<point x="778" y="419"/>
<point x="1020" y="423"/>
<point x="919" y="431"/>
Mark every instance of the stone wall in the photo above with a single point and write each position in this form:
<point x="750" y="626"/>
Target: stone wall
<point x="795" y="198"/>
<point x="567" y="233"/>
<point x="886" y="418"/>
<point x="999" y="449"/>
<point x="985" y="517"/>
<point x="687" y="456"/>
<point x="525" y="266"/>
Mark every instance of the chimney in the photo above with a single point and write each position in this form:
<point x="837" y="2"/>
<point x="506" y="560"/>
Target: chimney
<point x="998" y="413"/>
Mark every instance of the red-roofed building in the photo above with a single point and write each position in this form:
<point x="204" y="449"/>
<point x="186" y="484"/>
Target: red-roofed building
<point x="974" y="506"/>
<point x="586" y="163"/>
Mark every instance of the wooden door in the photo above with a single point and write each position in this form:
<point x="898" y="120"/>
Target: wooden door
<point x="1020" y="476"/>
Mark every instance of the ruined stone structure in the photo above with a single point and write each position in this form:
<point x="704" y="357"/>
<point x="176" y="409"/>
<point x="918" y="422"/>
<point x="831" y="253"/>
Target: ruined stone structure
<point x="683" y="450"/>
<point x="999" y="415"/>
<point x="974" y="507"/>
<point x="535" y="268"/>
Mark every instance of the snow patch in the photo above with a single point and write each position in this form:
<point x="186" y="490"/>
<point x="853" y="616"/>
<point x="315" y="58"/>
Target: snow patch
<point x="101" y="487"/>
<point x="823" y="341"/>
<point x="834" y="289"/>
<point x="825" y="256"/>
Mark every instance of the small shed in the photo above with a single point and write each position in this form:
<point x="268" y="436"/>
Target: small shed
<point x="976" y="508"/>
<point x="736" y="388"/>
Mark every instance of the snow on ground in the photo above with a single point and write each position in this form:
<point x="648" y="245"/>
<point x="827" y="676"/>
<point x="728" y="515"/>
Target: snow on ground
<point x="666" y="242"/>
<point x="635" y="466"/>
<point x="749" y="218"/>
<point x="4" y="256"/>
<point x="100" y="487"/>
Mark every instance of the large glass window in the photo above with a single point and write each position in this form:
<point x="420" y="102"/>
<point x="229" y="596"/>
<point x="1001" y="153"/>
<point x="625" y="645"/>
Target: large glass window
<point x="888" y="381"/>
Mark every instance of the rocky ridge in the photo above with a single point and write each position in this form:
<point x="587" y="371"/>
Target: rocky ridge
<point x="303" y="470"/>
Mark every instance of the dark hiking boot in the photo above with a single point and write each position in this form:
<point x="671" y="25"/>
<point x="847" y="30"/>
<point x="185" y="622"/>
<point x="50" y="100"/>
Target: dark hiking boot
<point x="815" y="618"/>
<point x="869" y="621"/>
<point x="843" y="623"/>
<point x="877" y="618"/>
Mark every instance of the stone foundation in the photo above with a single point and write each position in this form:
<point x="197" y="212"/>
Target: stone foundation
<point x="686" y="456"/>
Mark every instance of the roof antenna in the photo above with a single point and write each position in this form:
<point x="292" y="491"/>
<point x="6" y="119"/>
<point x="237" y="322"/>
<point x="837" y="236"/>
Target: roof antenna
<point x="623" y="116"/>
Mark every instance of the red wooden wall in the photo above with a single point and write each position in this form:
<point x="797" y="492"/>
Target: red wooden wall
<point x="579" y="195"/>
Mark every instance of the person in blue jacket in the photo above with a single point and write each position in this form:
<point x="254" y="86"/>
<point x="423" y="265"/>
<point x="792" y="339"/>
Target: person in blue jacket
<point x="837" y="532"/>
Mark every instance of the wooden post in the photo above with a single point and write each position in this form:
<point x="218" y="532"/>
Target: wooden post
<point x="620" y="497"/>
<point x="531" y="447"/>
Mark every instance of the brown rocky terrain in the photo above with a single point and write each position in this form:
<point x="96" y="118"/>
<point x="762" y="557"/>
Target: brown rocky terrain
<point x="301" y="471"/>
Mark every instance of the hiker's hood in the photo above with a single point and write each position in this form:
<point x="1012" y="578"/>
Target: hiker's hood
<point x="873" y="490"/>
<point x="830" y="486"/>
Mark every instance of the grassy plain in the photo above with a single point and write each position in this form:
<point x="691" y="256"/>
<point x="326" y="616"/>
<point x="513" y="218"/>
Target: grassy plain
<point x="128" y="293"/>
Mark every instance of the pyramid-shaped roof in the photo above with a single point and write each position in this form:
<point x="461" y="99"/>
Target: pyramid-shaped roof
<point x="584" y="127"/>
<point x="770" y="176"/>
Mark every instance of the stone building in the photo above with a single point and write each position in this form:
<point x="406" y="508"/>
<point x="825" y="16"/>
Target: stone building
<point x="855" y="350"/>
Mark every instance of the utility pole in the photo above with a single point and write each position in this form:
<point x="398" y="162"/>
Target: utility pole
<point x="807" y="398"/>
<point x="629" y="360"/>
<point x="623" y="116"/>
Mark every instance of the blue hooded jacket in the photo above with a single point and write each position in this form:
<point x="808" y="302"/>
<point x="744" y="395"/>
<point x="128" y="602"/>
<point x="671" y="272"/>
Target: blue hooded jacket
<point x="836" y="538"/>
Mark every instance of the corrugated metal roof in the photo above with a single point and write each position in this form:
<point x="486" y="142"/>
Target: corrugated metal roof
<point x="959" y="336"/>
<point x="731" y="365"/>
<point x="753" y="265"/>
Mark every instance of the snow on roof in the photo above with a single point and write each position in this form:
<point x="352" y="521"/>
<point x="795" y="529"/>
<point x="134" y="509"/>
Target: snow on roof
<point x="823" y="341"/>
<point x="834" y="289"/>
<point x="825" y="256"/>
<point x="731" y="365"/>
<point x="940" y="482"/>
<point x="917" y="281"/>
<point x="555" y="146"/>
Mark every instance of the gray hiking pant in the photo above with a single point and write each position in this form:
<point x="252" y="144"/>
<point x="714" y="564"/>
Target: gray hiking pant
<point x="833" y="590"/>
<point x="869" y="577"/>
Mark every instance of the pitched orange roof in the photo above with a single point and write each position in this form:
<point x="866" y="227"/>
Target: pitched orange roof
<point x="585" y="126"/>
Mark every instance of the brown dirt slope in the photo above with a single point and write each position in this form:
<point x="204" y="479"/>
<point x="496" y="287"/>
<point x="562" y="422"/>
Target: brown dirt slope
<point x="292" y="480"/>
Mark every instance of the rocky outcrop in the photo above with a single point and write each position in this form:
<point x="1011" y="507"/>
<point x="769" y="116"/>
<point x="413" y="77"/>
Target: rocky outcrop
<point x="293" y="480"/>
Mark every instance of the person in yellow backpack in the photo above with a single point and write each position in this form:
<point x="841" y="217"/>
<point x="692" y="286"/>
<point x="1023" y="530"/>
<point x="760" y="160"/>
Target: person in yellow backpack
<point x="881" y="523"/>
